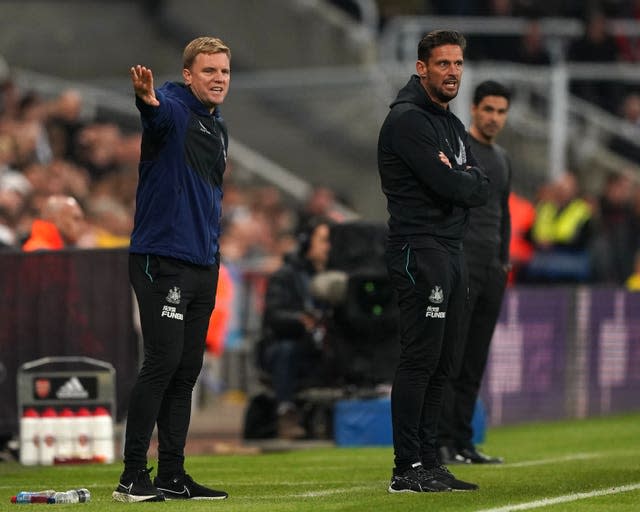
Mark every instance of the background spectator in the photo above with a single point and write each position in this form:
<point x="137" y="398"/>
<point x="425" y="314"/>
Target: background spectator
<point x="629" y="46"/>
<point x="597" y="45"/>
<point x="615" y="242"/>
<point x="627" y="142"/>
<point x="290" y="350"/>
<point x="530" y="48"/>
<point x="321" y="202"/>
<point x="523" y="215"/>
<point x="59" y="226"/>
<point x="632" y="283"/>
<point x="561" y="233"/>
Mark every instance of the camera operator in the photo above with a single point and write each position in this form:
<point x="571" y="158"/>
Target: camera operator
<point x="293" y="330"/>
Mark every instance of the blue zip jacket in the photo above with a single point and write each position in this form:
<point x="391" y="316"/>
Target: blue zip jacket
<point x="182" y="161"/>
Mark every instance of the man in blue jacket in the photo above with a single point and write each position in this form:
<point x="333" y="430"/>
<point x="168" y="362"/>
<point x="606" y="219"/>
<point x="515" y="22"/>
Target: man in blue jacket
<point x="174" y="261"/>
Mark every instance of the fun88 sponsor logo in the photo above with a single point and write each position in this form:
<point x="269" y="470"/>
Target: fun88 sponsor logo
<point x="434" y="312"/>
<point x="171" y="312"/>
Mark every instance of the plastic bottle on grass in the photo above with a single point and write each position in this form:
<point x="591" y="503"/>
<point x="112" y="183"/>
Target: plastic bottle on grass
<point x="72" y="496"/>
<point x="33" y="496"/>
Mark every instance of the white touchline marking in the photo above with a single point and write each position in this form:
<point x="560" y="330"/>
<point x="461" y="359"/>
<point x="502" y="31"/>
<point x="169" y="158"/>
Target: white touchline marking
<point x="565" y="458"/>
<point x="541" y="462"/>
<point x="564" y="499"/>
<point x="328" y="492"/>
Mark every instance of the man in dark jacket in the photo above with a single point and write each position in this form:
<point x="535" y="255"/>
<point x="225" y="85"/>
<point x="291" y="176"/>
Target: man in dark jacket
<point x="486" y="250"/>
<point x="174" y="261"/>
<point x="61" y="225"/>
<point x="430" y="179"/>
<point x="293" y="323"/>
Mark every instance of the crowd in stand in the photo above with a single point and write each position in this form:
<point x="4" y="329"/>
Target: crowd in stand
<point x="563" y="235"/>
<point x="570" y="237"/>
<point x="523" y="8"/>
<point x="49" y="151"/>
<point x="597" y="44"/>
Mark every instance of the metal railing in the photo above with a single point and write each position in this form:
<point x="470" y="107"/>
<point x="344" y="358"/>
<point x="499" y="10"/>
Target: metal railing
<point x="121" y="104"/>
<point x="397" y="50"/>
<point x="566" y="115"/>
<point x="401" y="34"/>
<point x="565" y="121"/>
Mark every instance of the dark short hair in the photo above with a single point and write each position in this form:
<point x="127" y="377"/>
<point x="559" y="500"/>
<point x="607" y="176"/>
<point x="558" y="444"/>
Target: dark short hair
<point x="439" y="38"/>
<point x="307" y="230"/>
<point x="490" y="88"/>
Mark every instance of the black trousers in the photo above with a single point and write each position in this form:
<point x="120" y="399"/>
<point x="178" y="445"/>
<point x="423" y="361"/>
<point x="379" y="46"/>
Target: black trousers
<point x="487" y="281"/>
<point x="431" y="289"/>
<point x="175" y="299"/>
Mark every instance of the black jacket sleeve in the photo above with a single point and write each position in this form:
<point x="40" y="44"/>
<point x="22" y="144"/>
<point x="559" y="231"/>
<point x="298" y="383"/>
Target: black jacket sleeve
<point x="505" y="227"/>
<point x="415" y="142"/>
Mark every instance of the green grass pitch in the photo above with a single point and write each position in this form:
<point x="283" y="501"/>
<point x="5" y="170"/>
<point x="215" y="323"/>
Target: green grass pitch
<point x="588" y="465"/>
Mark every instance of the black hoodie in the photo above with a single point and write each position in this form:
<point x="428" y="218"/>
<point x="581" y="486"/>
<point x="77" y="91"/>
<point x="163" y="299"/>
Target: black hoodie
<point x="425" y="197"/>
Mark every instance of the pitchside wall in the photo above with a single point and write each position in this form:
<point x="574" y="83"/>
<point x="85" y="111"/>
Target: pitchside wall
<point x="564" y="352"/>
<point x="557" y="351"/>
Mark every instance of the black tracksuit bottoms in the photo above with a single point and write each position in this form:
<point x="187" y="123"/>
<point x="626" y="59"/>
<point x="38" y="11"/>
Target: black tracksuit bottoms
<point x="487" y="281"/>
<point x="431" y="286"/>
<point x="175" y="299"/>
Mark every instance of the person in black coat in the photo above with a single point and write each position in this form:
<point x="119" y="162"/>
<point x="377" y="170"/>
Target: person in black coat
<point x="486" y="250"/>
<point x="292" y="323"/>
<point x="430" y="179"/>
<point x="597" y="45"/>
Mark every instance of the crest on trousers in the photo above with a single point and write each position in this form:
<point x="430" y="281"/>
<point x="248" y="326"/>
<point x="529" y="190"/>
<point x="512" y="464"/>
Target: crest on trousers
<point x="437" y="295"/>
<point x="173" y="297"/>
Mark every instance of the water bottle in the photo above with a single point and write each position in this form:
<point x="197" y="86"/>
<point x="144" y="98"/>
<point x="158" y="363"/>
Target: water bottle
<point x="30" y="437"/>
<point x="33" y="496"/>
<point x="82" y="434"/>
<point x="64" y="434"/>
<point x="102" y="430"/>
<point x="48" y="436"/>
<point x="72" y="496"/>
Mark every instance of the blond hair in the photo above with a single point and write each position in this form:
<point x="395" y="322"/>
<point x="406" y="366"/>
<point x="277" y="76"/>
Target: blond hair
<point x="200" y="45"/>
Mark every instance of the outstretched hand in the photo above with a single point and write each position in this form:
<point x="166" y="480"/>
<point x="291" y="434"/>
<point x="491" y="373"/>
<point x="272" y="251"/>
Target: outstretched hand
<point x="142" y="79"/>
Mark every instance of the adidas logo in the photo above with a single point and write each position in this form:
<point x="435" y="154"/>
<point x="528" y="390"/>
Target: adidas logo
<point x="72" y="389"/>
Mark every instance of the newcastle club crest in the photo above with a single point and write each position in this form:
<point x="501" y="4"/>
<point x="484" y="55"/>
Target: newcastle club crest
<point x="437" y="295"/>
<point x="173" y="297"/>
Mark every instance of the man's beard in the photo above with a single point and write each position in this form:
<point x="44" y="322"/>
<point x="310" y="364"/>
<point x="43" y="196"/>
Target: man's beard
<point x="439" y="95"/>
<point x="444" y="96"/>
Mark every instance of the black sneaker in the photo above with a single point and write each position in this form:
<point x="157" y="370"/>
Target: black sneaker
<point x="182" y="487"/>
<point x="446" y="477"/>
<point x="416" y="479"/>
<point x="449" y="455"/>
<point x="136" y="486"/>
<point x="474" y="456"/>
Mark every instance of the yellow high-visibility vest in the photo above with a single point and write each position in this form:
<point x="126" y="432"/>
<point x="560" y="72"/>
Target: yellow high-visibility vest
<point x="560" y="227"/>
